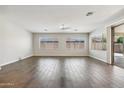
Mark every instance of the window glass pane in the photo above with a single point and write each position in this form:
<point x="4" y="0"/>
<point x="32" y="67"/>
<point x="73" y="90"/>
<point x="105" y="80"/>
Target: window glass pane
<point x="48" y="43"/>
<point x="75" y="43"/>
<point x="99" y="42"/>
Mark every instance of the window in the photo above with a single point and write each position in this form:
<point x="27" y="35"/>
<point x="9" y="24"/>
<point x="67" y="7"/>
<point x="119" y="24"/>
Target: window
<point x="75" y="43"/>
<point x="99" y="42"/>
<point x="48" y="43"/>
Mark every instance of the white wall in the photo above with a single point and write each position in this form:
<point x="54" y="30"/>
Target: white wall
<point x="15" y="42"/>
<point x="62" y="50"/>
<point x="98" y="54"/>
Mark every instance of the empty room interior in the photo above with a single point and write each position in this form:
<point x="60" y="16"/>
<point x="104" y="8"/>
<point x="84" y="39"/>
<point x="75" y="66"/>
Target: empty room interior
<point x="62" y="46"/>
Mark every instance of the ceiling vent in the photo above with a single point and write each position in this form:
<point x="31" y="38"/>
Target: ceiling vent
<point x="89" y="14"/>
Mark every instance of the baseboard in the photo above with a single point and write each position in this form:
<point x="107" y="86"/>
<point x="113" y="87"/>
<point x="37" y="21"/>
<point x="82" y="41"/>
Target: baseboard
<point x="59" y="55"/>
<point x="13" y="61"/>
<point x="98" y="58"/>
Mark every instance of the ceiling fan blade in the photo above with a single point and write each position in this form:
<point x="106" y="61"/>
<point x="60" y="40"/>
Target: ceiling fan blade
<point x="65" y="28"/>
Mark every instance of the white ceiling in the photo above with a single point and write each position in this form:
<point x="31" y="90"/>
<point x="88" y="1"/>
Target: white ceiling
<point x="38" y="18"/>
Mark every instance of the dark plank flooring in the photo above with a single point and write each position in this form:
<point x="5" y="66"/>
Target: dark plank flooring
<point x="61" y="72"/>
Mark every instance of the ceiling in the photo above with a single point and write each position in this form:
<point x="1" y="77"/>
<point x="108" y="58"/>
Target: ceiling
<point x="38" y="18"/>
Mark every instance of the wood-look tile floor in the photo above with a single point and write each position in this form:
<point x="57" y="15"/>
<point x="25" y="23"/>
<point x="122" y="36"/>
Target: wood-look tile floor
<point x="61" y="72"/>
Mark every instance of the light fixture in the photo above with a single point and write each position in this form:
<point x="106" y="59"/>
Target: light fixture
<point x="89" y="13"/>
<point x="63" y="27"/>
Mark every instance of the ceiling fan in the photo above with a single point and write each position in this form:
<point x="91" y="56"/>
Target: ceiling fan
<point x="63" y="27"/>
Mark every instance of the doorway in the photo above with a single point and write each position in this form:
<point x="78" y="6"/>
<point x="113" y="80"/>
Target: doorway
<point x="118" y="45"/>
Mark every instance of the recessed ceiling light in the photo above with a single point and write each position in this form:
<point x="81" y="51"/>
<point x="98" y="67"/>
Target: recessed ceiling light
<point x="89" y="13"/>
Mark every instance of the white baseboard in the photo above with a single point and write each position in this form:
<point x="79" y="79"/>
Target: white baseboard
<point x="98" y="58"/>
<point x="13" y="61"/>
<point x="62" y="55"/>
